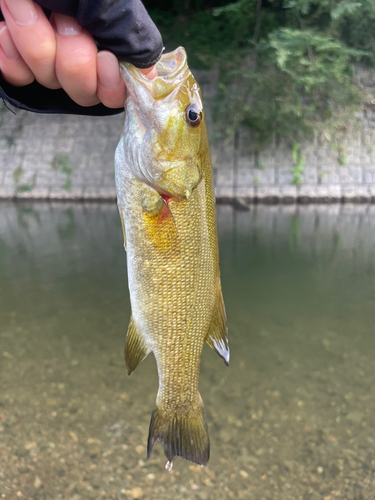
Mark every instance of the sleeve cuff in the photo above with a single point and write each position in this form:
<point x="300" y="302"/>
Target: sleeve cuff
<point x="38" y="99"/>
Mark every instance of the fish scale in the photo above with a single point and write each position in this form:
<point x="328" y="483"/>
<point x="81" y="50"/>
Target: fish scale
<point x="167" y="207"/>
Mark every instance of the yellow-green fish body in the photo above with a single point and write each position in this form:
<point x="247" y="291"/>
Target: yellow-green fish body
<point x="167" y="207"/>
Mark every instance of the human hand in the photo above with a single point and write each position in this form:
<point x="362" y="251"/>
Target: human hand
<point x="58" y="53"/>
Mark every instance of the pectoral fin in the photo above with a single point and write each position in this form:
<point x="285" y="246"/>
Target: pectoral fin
<point x="136" y="349"/>
<point x="217" y="335"/>
<point x="152" y="202"/>
<point x="159" y="221"/>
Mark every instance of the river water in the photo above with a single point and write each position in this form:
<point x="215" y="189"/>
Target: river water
<point x="293" y="417"/>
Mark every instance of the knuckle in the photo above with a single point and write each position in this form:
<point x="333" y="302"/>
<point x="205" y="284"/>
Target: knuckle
<point x="42" y="54"/>
<point x="77" y="62"/>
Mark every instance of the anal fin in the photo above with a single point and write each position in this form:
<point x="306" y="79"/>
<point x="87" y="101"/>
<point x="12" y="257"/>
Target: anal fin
<point x="136" y="349"/>
<point x="217" y="337"/>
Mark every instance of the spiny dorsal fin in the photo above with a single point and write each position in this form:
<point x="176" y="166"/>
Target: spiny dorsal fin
<point x="217" y="337"/>
<point x="136" y="349"/>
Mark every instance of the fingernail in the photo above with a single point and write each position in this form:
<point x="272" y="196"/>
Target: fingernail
<point x="7" y="44"/>
<point x="66" y="26"/>
<point x="108" y="70"/>
<point x="22" y="11"/>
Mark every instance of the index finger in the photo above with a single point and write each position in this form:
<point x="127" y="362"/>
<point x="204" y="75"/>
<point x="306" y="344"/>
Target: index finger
<point x="34" y="38"/>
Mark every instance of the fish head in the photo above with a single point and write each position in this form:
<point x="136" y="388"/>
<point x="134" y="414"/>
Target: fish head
<point x="163" y="128"/>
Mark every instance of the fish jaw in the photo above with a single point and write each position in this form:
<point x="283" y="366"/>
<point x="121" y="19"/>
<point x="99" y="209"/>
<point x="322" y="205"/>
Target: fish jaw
<point x="172" y="70"/>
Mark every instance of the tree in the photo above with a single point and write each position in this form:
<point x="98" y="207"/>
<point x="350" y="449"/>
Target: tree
<point x="286" y="66"/>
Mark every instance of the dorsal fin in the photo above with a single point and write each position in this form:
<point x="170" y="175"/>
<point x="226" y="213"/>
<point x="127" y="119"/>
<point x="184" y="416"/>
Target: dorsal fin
<point x="217" y="337"/>
<point x="136" y="349"/>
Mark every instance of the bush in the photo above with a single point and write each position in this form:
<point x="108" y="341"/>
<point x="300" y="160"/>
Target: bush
<point x="286" y="66"/>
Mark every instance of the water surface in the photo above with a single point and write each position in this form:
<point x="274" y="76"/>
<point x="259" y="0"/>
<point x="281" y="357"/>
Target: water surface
<point x="291" y="418"/>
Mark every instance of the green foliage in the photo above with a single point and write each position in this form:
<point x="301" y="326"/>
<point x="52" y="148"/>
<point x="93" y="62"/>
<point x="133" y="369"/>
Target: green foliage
<point x="60" y="162"/>
<point x="67" y="184"/>
<point x="298" y="163"/>
<point x="239" y="8"/>
<point x="203" y="33"/>
<point x="17" y="174"/>
<point x="342" y="155"/>
<point x="285" y="65"/>
<point x="335" y="9"/>
<point x="311" y="58"/>
<point x="345" y="7"/>
<point x="295" y="152"/>
<point x="23" y="188"/>
<point x="294" y="82"/>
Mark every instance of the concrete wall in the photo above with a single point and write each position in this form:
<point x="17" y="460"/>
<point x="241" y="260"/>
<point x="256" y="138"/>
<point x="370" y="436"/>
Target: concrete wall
<point x="71" y="157"/>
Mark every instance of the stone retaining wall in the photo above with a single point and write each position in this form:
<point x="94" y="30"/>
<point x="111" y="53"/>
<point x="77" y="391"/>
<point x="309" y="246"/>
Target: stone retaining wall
<point x="71" y="157"/>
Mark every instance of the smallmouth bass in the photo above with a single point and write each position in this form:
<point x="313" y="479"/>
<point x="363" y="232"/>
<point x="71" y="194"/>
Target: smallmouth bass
<point x="167" y="207"/>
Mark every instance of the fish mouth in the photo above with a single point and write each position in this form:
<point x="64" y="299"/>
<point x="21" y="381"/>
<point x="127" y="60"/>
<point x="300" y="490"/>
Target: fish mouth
<point x="172" y="70"/>
<point x="172" y="64"/>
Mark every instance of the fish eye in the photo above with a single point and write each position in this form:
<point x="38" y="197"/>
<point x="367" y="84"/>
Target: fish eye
<point x="193" y="115"/>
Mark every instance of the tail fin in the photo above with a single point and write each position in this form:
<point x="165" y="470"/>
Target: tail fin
<point x="182" y="434"/>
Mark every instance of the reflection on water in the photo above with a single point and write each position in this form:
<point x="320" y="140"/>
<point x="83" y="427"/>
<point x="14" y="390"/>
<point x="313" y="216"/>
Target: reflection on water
<point x="291" y="418"/>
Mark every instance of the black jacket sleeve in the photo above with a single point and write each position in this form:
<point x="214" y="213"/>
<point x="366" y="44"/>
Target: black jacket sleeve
<point x="121" y="26"/>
